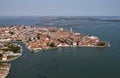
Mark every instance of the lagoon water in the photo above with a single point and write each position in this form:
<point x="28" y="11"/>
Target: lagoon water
<point x="71" y="62"/>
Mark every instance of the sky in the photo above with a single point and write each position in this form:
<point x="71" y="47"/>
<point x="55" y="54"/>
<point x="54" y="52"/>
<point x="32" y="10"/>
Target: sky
<point x="59" y="7"/>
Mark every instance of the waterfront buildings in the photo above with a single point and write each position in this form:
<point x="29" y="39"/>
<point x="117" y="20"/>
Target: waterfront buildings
<point x="39" y="38"/>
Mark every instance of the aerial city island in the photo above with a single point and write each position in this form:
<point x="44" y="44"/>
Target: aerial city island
<point x="39" y="38"/>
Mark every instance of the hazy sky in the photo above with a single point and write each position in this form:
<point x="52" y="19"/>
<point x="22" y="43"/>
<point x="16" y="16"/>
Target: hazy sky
<point x="59" y="7"/>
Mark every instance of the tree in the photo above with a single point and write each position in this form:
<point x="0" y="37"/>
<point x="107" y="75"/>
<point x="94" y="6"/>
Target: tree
<point x="12" y="47"/>
<point x="30" y="39"/>
<point x="11" y="32"/>
<point x="24" y="27"/>
<point x="38" y="36"/>
<point x="101" y="44"/>
<point x="52" y="45"/>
